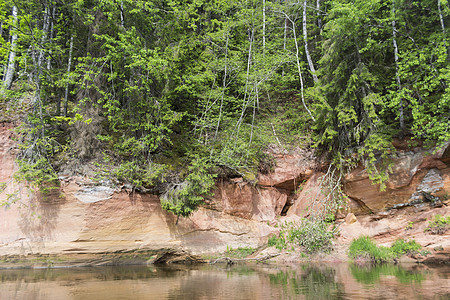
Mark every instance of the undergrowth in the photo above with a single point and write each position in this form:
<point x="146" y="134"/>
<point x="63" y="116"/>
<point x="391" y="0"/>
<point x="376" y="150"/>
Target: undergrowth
<point x="313" y="236"/>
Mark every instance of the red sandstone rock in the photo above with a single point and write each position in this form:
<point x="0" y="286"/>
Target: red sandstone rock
<point x="290" y="171"/>
<point x="310" y="193"/>
<point x="350" y="218"/>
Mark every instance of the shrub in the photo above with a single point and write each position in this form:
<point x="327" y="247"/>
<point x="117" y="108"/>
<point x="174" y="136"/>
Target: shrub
<point x="314" y="236"/>
<point x="401" y="247"/>
<point x="278" y="242"/>
<point x="439" y="225"/>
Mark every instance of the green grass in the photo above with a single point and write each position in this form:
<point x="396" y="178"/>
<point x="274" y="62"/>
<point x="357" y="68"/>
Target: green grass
<point x="364" y="247"/>
<point x="241" y="252"/>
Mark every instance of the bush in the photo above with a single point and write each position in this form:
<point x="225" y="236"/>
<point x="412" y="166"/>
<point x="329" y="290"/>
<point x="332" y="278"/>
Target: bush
<point x="401" y="247"/>
<point x="314" y="236"/>
<point x="439" y="225"/>
<point x="278" y="242"/>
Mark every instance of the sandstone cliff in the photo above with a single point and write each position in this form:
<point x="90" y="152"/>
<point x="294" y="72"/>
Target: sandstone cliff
<point x="84" y="217"/>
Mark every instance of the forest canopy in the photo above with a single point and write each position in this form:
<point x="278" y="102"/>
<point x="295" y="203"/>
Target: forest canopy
<point x="166" y="96"/>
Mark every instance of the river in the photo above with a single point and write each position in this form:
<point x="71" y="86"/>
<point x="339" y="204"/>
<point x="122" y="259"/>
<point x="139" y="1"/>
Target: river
<point x="241" y="281"/>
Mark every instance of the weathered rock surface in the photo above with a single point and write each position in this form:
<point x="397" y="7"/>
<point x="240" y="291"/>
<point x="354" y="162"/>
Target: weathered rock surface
<point x="241" y="199"/>
<point x="84" y="218"/>
<point x="414" y="174"/>
<point x="290" y="171"/>
<point x="121" y="222"/>
<point x="408" y="223"/>
<point x="311" y="193"/>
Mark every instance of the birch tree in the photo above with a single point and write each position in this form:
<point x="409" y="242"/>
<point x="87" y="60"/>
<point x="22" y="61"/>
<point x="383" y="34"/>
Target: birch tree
<point x="397" y="76"/>
<point x="8" y="79"/>
<point x="305" y="39"/>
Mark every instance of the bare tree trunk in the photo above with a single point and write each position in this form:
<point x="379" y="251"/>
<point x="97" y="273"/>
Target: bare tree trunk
<point x="297" y="56"/>
<point x="305" y="38"/>
<point x="41" y="57"/>
<point x="37" y="98"/>
<point x="264" y="26"/>
<point x="49" y="60"/>
<point x="12" y="54"/>
<point x="399" y="85"/>
<point x="122" y="19"/>
<point x="319" y="20"/>
<point x="441" y="17"/>
<point x="246" y="97"/>
<point x="285" y="32"/>
<point x="69" y="66"/>
<point x="224" y="85"/>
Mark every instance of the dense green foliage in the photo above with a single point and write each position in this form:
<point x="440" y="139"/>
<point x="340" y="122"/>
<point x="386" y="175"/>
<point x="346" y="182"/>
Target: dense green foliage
<point x="364" y="247"/>
<point x="170" y="94"/>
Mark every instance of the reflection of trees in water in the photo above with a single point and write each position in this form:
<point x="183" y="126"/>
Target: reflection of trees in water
<point x="238" y="282"/>
<point x="314" y="282"/>
<point x="371" y="273"/>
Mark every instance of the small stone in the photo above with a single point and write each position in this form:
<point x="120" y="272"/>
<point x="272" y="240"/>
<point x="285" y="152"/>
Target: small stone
<point x="350" y="218"/>
<point x="438" y="248"/>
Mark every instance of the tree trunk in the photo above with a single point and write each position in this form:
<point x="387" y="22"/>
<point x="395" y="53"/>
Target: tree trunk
<point x="246" y="94"/>
<point x="49" y="60"/>
<point x="69" y="66"/>
<point x="397" y="77"/>
<point x="285" y="32"/>
<point x="224" y="85"/>
<point x="441" y="17"/>
<point x="12" y="54"/>
<point x="297" y="56"/>
<point x="37" y="105"/>
<point x="122" y="19"/>
<point x="264" y="26"/>
<point x="305" y="38"/>
<point x="41" y="56"/>
<point x="319" y="20"/>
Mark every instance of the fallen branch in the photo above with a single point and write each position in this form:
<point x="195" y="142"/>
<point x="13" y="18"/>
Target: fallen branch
<point x="231" y="261"/>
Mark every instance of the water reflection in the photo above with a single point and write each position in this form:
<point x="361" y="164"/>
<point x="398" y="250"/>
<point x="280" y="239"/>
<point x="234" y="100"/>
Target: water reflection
<point x="373" y="273"/>
<point x="306" y="281"/>
<point x="313" y="282"/>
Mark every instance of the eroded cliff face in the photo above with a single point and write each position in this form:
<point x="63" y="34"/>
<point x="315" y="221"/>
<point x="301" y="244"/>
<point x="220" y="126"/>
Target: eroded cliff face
<point x="87" y="218"/>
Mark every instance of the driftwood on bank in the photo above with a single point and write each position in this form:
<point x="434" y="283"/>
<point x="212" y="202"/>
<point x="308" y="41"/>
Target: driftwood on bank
<point x="231" y="261"/>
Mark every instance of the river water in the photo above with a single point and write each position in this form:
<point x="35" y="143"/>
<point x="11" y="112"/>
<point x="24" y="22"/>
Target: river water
<point x="242" y="281"/>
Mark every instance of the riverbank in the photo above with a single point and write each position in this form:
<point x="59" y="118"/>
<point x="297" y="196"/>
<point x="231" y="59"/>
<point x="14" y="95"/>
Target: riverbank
<point x="87" y="217"/>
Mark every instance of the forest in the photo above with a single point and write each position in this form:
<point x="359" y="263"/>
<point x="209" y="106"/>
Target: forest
<point x="168" y="96"/>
